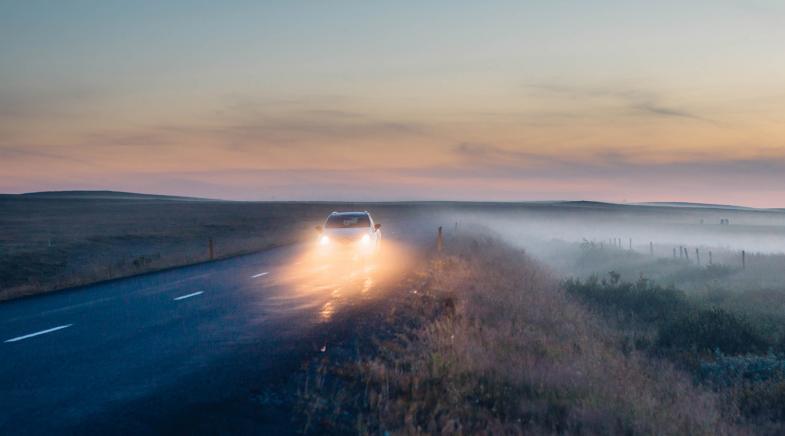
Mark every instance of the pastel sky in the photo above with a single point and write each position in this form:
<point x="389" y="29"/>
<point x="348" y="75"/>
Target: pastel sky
<point x="329" y="100"/>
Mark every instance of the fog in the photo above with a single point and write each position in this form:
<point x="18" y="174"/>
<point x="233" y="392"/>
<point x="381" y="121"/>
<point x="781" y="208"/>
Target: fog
<point x="674" y="244"/>
<point x="759" y="231"/>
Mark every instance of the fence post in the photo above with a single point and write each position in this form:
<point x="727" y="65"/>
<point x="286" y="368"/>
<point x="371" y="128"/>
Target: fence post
<point x="710" y="259"/>
<point x="651" y="248"/>
<point x="210" y="248"/>
<point x="743" y="259"/>
<point x="698" y="256"/>
<point x="439" y="240"/>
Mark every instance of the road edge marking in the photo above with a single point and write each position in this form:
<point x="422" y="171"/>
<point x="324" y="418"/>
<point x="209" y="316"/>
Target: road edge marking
<point x="42" y="332"/>
<point x="183" y="297"/>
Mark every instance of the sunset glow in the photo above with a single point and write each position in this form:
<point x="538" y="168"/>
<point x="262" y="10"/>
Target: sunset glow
<point x="357" y="101"/>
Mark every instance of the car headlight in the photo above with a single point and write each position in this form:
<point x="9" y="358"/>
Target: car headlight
<point x="324" y="240"/>
<point x="365" y="239"/>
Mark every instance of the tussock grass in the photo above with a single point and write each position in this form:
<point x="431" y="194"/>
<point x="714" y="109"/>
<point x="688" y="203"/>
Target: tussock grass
<point x="485" y="340"/>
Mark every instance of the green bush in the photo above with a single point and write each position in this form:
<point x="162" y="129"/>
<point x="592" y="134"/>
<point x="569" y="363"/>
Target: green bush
<point x="726" y="370"/>
<point x="708" y="330"/>
<point x="643" y="300"/>
<point x="756" y="384"/>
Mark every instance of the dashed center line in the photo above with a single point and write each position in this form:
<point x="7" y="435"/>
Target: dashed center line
<point x="183" y="297"/>
<point x="259" y="275"/>
<point x="42" y="332"/>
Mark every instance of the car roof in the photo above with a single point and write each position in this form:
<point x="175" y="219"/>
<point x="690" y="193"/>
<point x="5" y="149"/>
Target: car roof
<point x="350" y="213"/>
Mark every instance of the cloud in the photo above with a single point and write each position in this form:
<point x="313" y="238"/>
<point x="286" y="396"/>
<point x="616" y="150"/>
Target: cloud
<point x="487" y="161"/>
<point x="654" y="109"/>
<point x="25" y="152"/>
<point x="632" y="101"/>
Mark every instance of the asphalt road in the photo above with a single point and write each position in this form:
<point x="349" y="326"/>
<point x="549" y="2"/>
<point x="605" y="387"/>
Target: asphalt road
<point x="184" y="350"/>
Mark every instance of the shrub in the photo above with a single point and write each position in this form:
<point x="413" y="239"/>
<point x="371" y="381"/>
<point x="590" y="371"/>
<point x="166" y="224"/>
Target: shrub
<point x="712" y="329"/>
<point x="727" y="370"/>
<point x="643" y="300"/>
<point x="755" y="384"/>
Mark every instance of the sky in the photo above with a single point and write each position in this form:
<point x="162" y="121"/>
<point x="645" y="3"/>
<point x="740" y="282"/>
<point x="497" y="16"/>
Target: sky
<point x="494" y="101"/>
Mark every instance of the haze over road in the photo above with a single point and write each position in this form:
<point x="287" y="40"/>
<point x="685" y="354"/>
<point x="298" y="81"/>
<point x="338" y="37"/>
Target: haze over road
<point x="175" y="350"/>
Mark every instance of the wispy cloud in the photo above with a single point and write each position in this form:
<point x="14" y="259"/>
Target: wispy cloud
<point x="632" y="101"/>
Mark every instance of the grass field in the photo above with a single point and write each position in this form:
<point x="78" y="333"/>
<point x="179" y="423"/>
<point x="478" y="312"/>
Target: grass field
<point x="60" y="240"/>
<point x="485" y="339"/>
<point x="50" y="241"/>
<point x="568" y="317"/>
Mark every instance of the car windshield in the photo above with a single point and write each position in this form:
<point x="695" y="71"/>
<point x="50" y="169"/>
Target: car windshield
<point x="348" y="221"/>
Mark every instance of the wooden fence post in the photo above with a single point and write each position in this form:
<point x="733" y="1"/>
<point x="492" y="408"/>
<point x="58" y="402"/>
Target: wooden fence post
<point x="698" y="257"/>
<point x="743" y="259"/>
<point x="439" y="240"/>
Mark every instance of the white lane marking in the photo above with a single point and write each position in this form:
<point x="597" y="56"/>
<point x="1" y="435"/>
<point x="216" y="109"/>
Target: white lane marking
<point x="42" y="332"/>
<point x="259" y="275"/>
<point x="183" y="297"/>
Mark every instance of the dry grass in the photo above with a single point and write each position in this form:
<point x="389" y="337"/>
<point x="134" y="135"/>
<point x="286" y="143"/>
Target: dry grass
<point x="50" y="243"/>
<point x="484" y="340"/>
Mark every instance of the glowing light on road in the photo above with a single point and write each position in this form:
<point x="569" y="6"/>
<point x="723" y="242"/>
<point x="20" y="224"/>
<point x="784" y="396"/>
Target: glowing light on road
<point x="327" y="311"/>
<point x="337" y="272"/>
<point x="367" y="285"/>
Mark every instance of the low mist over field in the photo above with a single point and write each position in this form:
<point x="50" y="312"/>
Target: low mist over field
<point x="665" y="226"/>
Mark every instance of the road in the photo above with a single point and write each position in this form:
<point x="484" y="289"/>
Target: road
<point x="183" y="350"/>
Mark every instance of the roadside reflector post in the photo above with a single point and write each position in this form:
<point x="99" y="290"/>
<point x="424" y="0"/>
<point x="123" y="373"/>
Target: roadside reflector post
<point x="439" y="240"/>
<point x="210" y="248"/>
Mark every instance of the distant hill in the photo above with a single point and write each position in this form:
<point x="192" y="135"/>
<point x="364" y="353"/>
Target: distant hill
<point x="696" y="205"/>
<point x="107" y="195"/>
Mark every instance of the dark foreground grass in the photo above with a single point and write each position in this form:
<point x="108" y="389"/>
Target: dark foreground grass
<point x="484" y="340"/>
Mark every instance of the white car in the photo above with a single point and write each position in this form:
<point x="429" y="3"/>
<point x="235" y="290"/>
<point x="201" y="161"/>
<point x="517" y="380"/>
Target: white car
<point x="350" y="231"/>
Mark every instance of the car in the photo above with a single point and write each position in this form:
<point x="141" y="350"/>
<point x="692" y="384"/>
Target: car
<point x="350" y="231"/>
